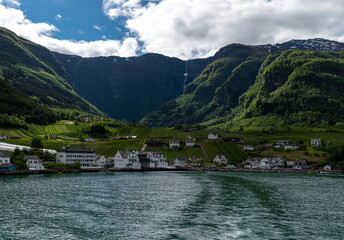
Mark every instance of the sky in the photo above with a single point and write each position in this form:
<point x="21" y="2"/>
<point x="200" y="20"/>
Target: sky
<point x="177" y="28"/>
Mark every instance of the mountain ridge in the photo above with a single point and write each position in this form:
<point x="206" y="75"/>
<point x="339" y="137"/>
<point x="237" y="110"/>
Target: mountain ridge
<point x="35" y="72"/>
<point x="176" y="112"/>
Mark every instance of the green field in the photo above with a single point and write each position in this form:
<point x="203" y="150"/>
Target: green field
<point x="171" y="154"/>
<point x="231" y="150"/>
<point x="167" y="134"/>
<point x="69" y="134"/>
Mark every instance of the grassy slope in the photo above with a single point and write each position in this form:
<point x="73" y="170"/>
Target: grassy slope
<point x="205" y="150"/>
<point x="34" y="70"/>
<point x="215" y="91"/>
<point x="296" y="88"/>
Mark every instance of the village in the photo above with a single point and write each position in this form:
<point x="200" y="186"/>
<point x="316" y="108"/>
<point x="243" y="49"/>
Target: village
<point x="88" y="159"/>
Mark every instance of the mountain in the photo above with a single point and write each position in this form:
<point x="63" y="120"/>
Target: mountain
<point x="316" y="44"/>
<point x="215" y="91"/>
<point x="215" y="96"/>
<point x="34" y="71"/>
<point x="129" y="88"/>
<point x="296" y="87"/>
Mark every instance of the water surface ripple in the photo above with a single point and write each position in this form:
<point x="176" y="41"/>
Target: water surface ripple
<point x="172" y="205"/>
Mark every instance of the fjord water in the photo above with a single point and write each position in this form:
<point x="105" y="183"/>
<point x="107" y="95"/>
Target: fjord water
<point x="172" y="205"/>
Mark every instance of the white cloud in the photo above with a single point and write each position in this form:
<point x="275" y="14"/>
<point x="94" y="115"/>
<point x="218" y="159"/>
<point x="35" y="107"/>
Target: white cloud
<point x="42" y="33"/>
<point x="197" y="28"/>
<point x="190" y="28"/>
<point x="97" y="27"/>
<point x="12" y="3"/>
<point x="58" y="17"/>
<point x="117" y="8"/>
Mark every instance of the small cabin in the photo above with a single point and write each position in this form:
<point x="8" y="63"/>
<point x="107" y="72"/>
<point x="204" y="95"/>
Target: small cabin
<point x="248" y="148"/>
<point x="315" y="142"/>
<point x="33" y="162"/>
<point x="180" y="162"/>
<point x="213" y="136"/>
<point x="327" y="168"/>
<point x="190" y="143"/>
<point x="220" y="160"/>
<point x="174" y="144"/>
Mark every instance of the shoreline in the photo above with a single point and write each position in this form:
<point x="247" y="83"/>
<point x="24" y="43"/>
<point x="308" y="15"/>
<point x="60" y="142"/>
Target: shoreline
<point x="66" y="171"/>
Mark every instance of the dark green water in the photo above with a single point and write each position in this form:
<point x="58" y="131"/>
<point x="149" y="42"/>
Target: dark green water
<point x="171" y="205"/>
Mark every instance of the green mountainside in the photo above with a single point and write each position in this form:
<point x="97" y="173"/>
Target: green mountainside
<point x="215" y="91"/>
<point x="34" y="71"/>
<point x="251" y="87"/>
<point x="240" y="85"/>
<point x="16" y="104"/>
<point x="295" y="87"/>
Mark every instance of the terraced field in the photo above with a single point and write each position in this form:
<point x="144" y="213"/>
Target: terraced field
<point x="186" y="152"/>
<point x="203" y="134"/>
<point x="167" y="134"/>
<point x="232" y="151"/>
<point x="141" y="132"/>
<point x="62" y="129"/>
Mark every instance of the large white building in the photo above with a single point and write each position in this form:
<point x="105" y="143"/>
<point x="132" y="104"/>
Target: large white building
<point x="127" y="160"/>
<point x="138" y="160"/>
<point x="33" y="162"/>
<point x="86" y="157"/>
<point x="5" y="157"/>
<point x="156" y="160"/>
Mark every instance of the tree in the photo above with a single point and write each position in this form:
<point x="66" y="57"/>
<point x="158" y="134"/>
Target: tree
<point x="36" y="143"/>
<point x="98" y="129"/>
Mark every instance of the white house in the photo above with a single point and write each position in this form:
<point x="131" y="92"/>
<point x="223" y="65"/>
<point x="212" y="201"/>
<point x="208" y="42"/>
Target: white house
<point x="5" y="157"/>
<point x="180" y="162"/>
<point x="86" y="157"/>
<point x="281" y="143"/>
<point x="213" y="136"/>
<point x="291" y="147"/>
<point x="327" y="168"/>
<point x="174" y="144"/>
<point x="315" y="142"/>
<point x="248" y="148"/>
<point x="251" y="163"/>
<point x="300" y="164"/>
<point x="89" y="140"/>
<point x="220" y="160"/>
<point x="271" y="163"/>
<point x="157" y="160"/>
<point x="3" y="137"/>
<point x="127" y="160"/>
<point x="190" y="142"/>
<point x="33" y="162"/>
<point x="265" y="163"/>
<point x="100" y="161"/>
<point x="290" y="163"/>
